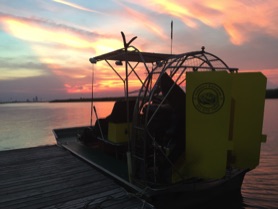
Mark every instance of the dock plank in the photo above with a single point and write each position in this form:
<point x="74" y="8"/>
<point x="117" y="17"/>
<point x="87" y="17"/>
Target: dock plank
<point x="51" y="177"/>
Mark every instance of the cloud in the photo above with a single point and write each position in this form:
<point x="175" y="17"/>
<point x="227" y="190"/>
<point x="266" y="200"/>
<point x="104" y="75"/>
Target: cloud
<point x="48" y="33"/>
<point x="82" y="88"/>
<point x="8" y="74"/>
<point x="62" y="50"/>
<point x="41" y="31"/>
<point x="144" y="21"/>
<point x="240" y="19"/>
<point x="76" y="6"/>
<point x="246" y="21"/>
<point x="23" y="67"/>
<point x="45" y="87"/>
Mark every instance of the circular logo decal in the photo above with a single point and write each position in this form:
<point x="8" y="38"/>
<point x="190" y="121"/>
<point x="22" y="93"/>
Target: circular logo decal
<point x="208" y="98"/>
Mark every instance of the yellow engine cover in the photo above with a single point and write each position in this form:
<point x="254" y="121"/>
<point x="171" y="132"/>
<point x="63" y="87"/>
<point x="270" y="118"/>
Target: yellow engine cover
<point x="208" y="104"/>
<point x="248" y="92"/>
<point x="224" y="116"/>
<point x="118" y="132"/>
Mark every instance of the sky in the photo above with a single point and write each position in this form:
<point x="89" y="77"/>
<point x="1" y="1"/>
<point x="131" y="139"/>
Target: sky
<point x="46" y="44"/>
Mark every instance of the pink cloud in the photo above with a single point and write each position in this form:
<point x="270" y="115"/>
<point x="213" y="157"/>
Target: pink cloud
<point x="240" y="19"/>
<point x="142" y="20"/>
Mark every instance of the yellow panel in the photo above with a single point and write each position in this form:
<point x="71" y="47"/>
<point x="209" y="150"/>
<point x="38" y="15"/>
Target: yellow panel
<point x="208" y="103"/>
<point x="248" y="92"/>
<point x="117" y="132"/>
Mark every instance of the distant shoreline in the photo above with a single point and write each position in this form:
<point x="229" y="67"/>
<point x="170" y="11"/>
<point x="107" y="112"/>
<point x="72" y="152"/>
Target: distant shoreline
<point x="101" y="99"/>
<point x="270" y="94"/>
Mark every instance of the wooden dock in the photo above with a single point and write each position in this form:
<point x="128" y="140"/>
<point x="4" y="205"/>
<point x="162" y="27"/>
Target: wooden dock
<point x="51" y="177"/>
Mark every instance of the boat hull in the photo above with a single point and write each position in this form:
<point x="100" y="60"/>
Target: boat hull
<point x="200" y="194"/>
<point x="184" y="194"/>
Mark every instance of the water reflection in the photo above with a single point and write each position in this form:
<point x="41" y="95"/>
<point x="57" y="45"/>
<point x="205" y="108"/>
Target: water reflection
<point x="31" y="124"/>
<point x="260" y="186"/>
<point x="238" y="201"/>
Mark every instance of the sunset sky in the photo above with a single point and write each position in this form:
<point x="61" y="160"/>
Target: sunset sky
<point x="46" y="44"/>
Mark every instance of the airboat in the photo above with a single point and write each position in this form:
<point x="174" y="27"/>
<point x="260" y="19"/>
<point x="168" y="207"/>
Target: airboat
<point x="191" y="133"/>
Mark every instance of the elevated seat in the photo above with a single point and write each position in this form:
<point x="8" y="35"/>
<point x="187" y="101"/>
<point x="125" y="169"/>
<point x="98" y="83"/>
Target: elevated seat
<point x="114" y="128"/>
<point x="119" y="123"/>
<point x="176" y="98"/>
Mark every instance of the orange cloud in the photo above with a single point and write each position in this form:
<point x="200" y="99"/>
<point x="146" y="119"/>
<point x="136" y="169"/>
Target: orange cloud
<point x="103" y="45"/>
<point x="175" y="9"/>
<point x="240" y="19"/>
<point x="146" y="21"/>
<point x="37" y="33"/>
<point x="68" y="72"/>
<point x="63" y="50"/>
<point x="82" y="88"/>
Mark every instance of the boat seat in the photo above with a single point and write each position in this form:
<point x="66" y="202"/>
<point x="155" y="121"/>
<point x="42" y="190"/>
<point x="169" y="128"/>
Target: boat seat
<point x="119" y="113"/>
<point x="176" y="98"/>
<point x="114" y="126"/>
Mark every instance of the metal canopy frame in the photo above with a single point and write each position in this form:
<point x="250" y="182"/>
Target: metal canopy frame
<point x="130" y="54"/>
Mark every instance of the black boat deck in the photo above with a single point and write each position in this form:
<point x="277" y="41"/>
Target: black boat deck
<point x="51" y="177"/>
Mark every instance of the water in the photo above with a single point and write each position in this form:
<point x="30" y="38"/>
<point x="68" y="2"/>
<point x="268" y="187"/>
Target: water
<point x="30" y="125"/>
<point x="260" y="186"/>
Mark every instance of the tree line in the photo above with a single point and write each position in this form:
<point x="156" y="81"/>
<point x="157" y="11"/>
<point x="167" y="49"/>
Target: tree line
<point x="271" y="93"/>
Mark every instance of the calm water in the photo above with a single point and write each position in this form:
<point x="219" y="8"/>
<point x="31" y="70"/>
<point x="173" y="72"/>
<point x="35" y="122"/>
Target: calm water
<point x="31" y="124"/>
